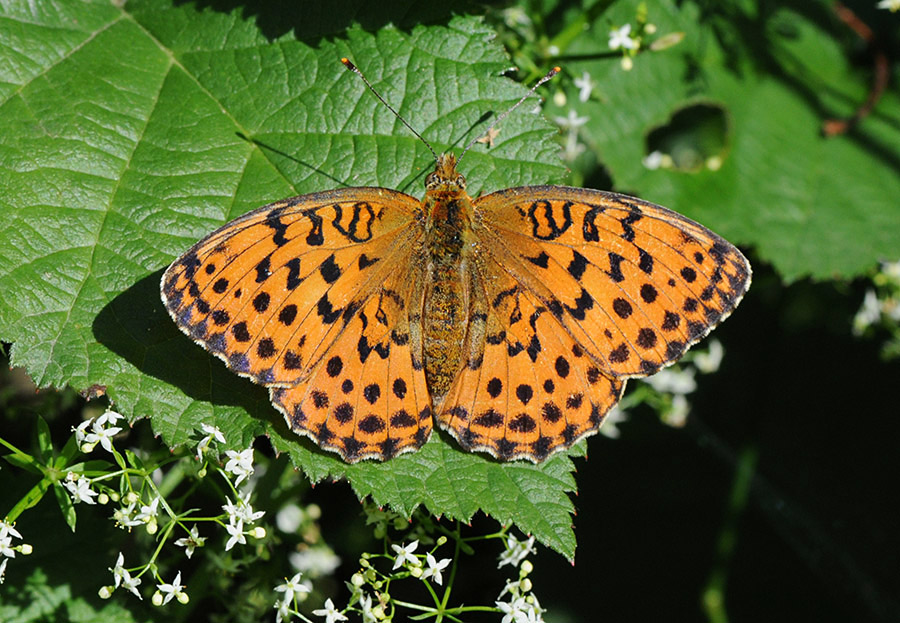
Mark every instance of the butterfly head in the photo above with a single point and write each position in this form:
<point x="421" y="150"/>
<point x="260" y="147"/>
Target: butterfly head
<point x="445" y="178"/>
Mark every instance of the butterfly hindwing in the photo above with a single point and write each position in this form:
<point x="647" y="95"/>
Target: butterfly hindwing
<point x="527" y="389"/>
<point x="366" y="397"/>
<point x="633" y="283"/>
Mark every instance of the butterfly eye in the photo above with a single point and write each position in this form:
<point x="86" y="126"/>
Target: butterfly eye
<point x="431" y="180"/>
<point x="461" y="182"/>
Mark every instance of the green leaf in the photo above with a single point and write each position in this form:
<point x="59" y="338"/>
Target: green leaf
<point x="43" y="441"/>
<point x="66" y="507"/>
<point x="810" y="205"/>
<point x="30" y="499"/>
<point x="24" y="461"/>
<point x="129" y="133"/>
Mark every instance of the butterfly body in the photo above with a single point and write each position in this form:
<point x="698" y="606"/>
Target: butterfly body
<point x="446" y="278"/>
<point x="512" y="320"/>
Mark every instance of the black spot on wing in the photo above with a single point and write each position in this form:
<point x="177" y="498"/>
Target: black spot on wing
<point x="578" y="265"/>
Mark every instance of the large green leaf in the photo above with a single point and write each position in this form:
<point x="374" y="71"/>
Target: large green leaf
<point x="131" y="132"/>
<point x="809" y="205"/>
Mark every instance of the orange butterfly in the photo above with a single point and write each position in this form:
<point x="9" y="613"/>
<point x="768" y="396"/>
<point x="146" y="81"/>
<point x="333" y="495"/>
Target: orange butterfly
<point x="514" y="318"/>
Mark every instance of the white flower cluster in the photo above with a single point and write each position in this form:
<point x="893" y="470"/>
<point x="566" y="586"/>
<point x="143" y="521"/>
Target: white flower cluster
<point x="521" y="605"/>
<point x="7" y="550"/>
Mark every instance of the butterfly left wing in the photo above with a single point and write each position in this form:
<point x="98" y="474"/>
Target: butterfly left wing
<point x="633" y="283"/>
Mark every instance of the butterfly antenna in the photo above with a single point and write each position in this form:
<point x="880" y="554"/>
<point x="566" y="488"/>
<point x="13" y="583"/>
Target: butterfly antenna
<point x="355" y="69"/>
<point x="503" y="116"/>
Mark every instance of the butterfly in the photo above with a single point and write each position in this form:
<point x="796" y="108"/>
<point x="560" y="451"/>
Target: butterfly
<point x="512" y="320"/>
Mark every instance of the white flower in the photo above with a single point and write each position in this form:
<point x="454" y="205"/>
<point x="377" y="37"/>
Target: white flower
<point x="191" y="542"/>
<point x="80" y="489"/>
<point x="123" y="578"/>
<point x="435" y="568"/>
<point x="175" y="589"/>
<point x="621" y="38"/>
<point x="368" y="614"/>
<point x="677" y="415"/>
<point x="125" y="516"/>
<point x="892" y="308"/>
<point x="100" y="433"/>
<point x="515" y="611"/>
<point x="6" y="547"/>
<point x="406" y="554"/>
<point x="292" y="588"/>
<point x="242" y="510"/>
<point x="585" y="86"/>
<point x="672" y="381"/>
<point x="515" y="589"/>
<point x="534" y="613"/>
<point x="611" y="421"/>
<point x="283" y="610"/>
<point x="236" y="530"/>
<point x="7" y="528"/>
<point x="80" y="433"/>
<point x="571" y="121"/>
<point x="110" y="417"/>
<point x="148" y="512"/>
<point x="240" y="464"/>
<point x="2" y="570"/>
<point x="653" y="160"/>
<point x="710" y="360"/>
<point x="516" y="551"/>
<point x="289" y="518"/>
<point x="891" y="270"/>
<point x="329" y="612"/>
<point x="892" y="5"/>
<point x="869" y="313"/>
<point x="316" y="561"/>
<point x="212" y="432"/>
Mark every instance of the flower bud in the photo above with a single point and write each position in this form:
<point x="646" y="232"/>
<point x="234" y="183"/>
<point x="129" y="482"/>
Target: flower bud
<point x="25" y="548"/>
<point x="526" y="568"/>
<point x="357" y="580"/>
<point x="441" y="541"/>
<point x="157" y="599"/>
<point x="182" y="597"/>
<point x="106" y="592"/>
<point x="102" y="499"/>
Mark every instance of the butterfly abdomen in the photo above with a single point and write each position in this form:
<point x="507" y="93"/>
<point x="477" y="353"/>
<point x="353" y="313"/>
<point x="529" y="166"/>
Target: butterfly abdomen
<point x="445" y="313"/>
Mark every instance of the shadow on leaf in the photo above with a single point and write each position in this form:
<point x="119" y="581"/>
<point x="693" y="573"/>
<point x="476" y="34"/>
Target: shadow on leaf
<point x="136" y="326"/>
<point x="320" y="19"/>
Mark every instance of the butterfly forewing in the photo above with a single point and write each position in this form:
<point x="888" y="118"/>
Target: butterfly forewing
<point x="271" y="290"/>
<point x="634" y="284"/>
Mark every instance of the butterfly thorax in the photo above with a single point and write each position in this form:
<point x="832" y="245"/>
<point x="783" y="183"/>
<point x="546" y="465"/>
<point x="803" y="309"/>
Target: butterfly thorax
<point x="448" y="247"/>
